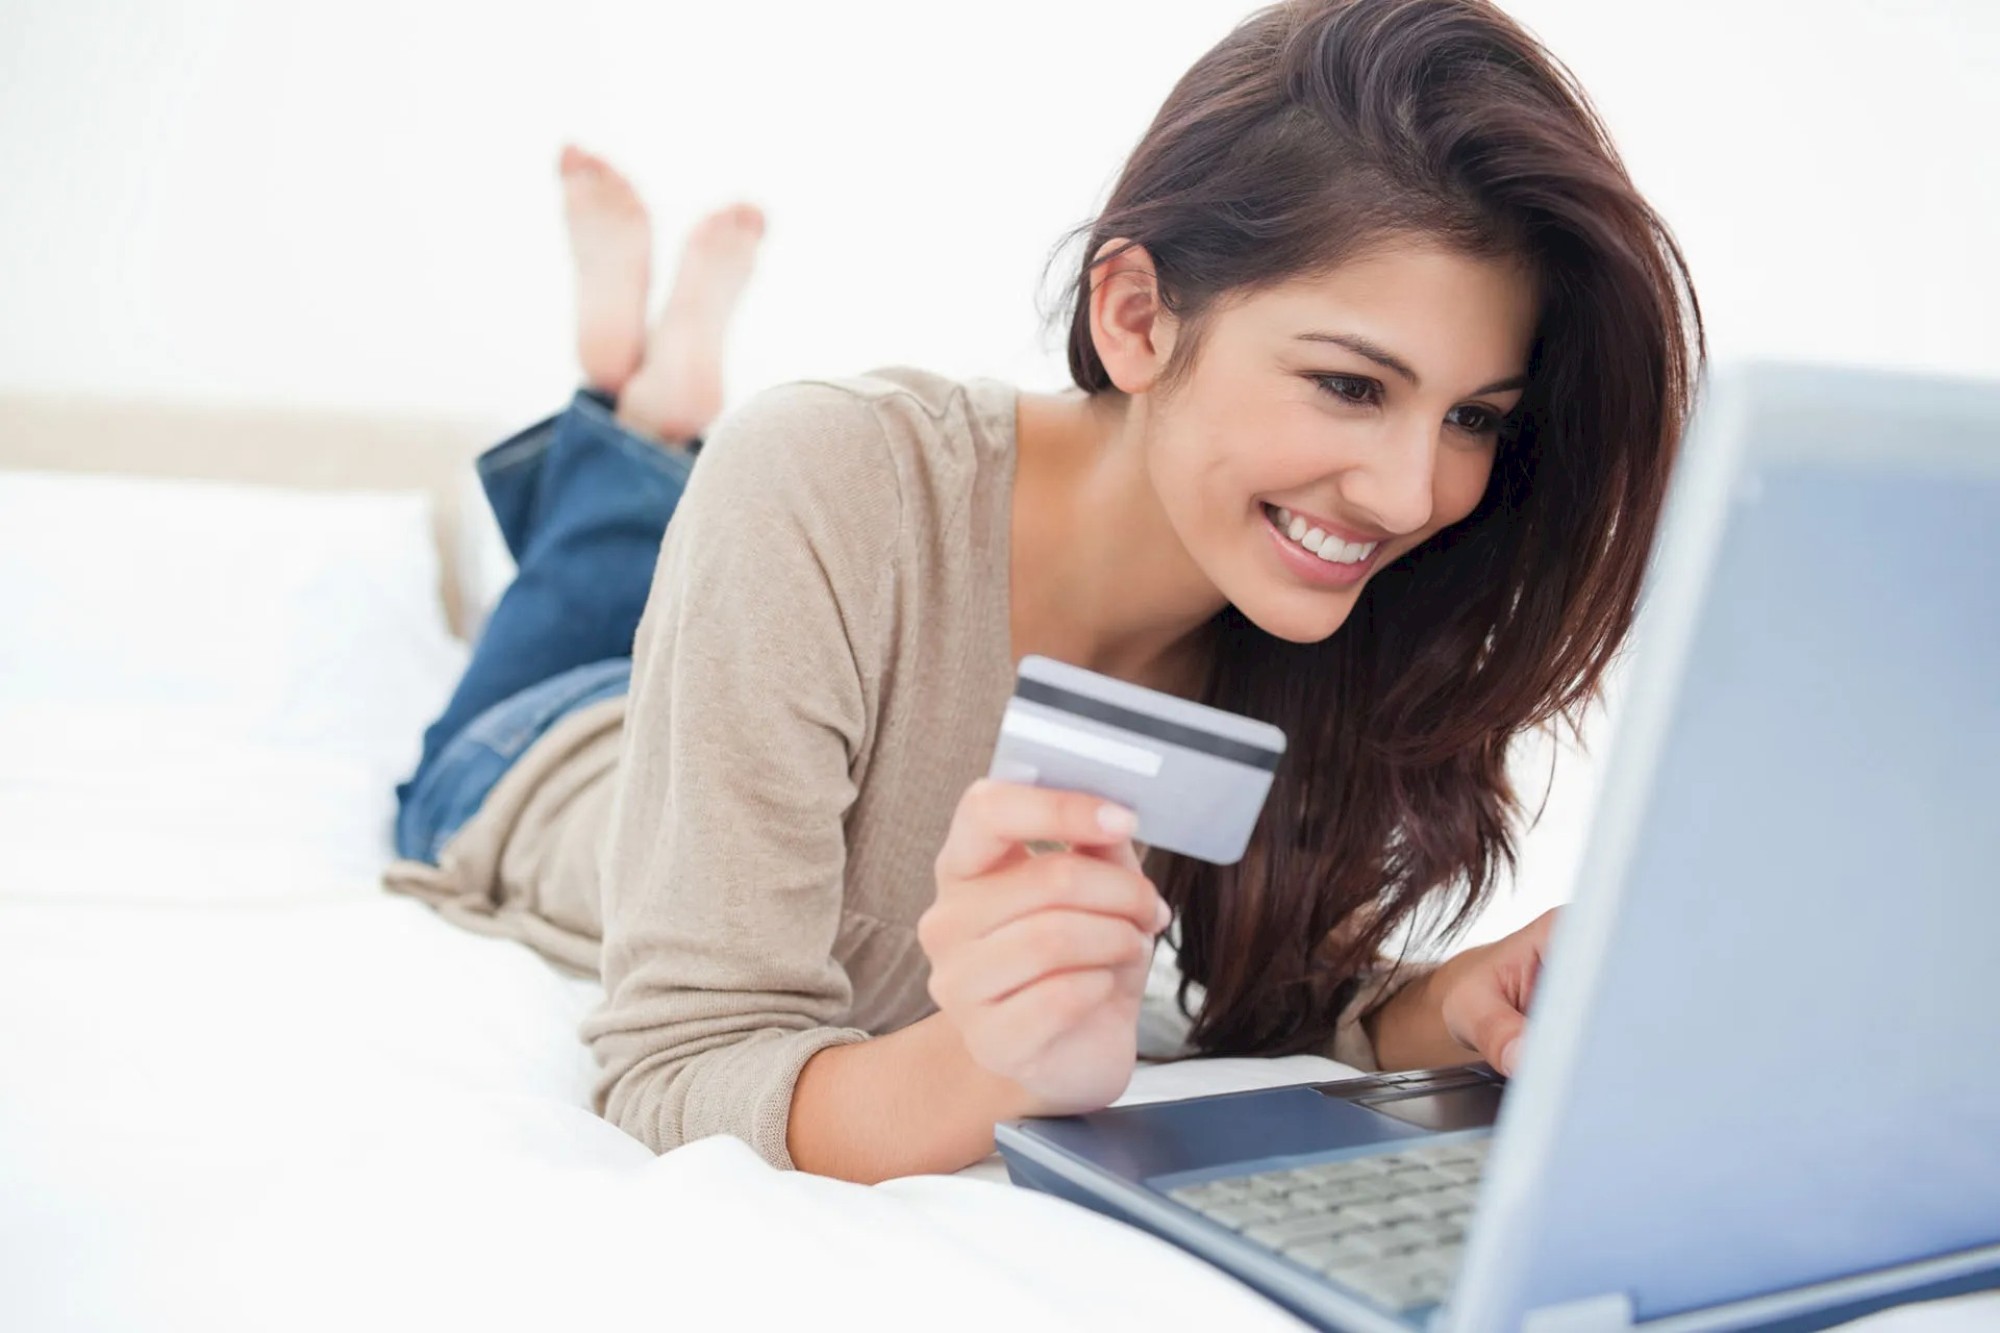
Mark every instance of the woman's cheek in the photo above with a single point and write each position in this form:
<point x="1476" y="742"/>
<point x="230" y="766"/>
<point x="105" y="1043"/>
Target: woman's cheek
<point x="1461" y="487"/>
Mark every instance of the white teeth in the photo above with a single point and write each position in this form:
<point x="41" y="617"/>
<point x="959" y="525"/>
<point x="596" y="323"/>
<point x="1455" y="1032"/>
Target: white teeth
<point x="1347" y="553"/>
<point x="1319" y="542"/>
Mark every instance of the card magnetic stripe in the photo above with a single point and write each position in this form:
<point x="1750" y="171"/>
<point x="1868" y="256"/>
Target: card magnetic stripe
<point x="1174" y="733"/>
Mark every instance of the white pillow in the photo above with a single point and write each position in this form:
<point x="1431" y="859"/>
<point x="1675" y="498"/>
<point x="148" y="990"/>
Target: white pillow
<point x="209" y="672"/>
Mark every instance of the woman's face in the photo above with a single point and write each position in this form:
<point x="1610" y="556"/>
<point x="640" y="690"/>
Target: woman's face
<point x="1358" y="410"/>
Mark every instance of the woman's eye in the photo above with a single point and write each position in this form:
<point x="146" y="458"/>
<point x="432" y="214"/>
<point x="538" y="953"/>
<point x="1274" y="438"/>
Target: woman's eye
<point x="1475" y="420"/>
<point x="1349" y="388"/>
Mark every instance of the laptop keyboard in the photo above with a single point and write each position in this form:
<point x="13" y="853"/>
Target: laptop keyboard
<point x="1391" y="1226"/>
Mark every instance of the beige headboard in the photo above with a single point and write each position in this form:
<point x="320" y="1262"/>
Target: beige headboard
<point x="315" y="450"/>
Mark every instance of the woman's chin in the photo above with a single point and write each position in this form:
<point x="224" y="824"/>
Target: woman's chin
<point x="1299" y="617"/>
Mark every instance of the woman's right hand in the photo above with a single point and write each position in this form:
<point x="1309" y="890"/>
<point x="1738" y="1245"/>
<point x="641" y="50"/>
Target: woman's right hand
<point x="1040" y="961"/>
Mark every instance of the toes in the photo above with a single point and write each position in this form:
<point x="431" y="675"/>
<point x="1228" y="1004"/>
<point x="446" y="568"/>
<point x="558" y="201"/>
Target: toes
<point x="591" y="171"/>
<point x="592" y="188"/>
<point x="729" y="227"/>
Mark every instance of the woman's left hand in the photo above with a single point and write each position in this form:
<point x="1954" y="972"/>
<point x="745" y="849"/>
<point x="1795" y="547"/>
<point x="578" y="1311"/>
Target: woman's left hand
<point x="1474" y="1004"/>
<point x="1484" y="993"/>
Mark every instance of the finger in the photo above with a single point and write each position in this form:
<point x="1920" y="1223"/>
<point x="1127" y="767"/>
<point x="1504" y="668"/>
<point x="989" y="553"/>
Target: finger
<point x="1491" y="1022"/>
<point x="1053" y="880"/>
<point x="1520" y="978"/>
<point x="994" y="817"/>
<point x="1021" y="952"/>
<point x="1538" y="929"/>
<point x="1525" y="952"/>
<point x="1019" y="1028"/>
<point x="1120" y="853"/>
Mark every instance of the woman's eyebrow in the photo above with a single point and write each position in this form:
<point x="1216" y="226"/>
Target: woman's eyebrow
<point x="1388" y="360"/>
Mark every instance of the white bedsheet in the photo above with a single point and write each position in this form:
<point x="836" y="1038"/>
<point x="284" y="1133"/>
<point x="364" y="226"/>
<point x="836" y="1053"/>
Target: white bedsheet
<point x="241" y="1088"/>
<point x="340" y="1113"/>
<point x="318" y="1113"/>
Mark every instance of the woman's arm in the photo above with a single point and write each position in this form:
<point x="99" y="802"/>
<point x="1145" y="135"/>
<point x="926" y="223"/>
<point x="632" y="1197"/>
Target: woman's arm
<point x="1473" y="1007"/>
<point x="1408" y="1030"/>
<point x="909" y="1103"/>
<point x="723" y="869"/>
<point x="1038" y="967"/>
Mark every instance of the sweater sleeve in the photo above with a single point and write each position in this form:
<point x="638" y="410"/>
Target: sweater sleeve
<point x="753" y="674"/>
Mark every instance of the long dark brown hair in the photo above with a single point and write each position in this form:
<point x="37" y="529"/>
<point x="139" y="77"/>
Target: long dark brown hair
<point x="1313" y="130"/>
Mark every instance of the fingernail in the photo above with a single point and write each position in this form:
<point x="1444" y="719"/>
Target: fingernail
<point x="1507" y="1054"/>
<point x="1116" y="819"/>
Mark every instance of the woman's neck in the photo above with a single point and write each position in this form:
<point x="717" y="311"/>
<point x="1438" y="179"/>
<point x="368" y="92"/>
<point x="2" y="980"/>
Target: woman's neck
<point x="1099" y="578"/>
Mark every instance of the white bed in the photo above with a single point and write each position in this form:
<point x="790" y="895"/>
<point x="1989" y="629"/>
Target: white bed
<point x="242" y="1088"/>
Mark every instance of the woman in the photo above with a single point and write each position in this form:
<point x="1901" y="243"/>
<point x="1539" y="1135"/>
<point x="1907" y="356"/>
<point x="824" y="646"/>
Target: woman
<point x="1380" y="362"/>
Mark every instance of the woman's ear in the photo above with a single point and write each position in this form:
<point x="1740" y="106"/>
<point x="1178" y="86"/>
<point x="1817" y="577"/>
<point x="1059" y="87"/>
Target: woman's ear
<point x="1133" y="331"/>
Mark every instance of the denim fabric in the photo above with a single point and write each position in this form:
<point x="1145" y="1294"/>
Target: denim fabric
<point x="582" y="504"/>
<point x="455" y="782"/>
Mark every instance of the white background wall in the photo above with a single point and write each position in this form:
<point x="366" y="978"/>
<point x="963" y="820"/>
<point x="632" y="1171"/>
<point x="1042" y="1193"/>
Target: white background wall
<point x="355" y="204"/>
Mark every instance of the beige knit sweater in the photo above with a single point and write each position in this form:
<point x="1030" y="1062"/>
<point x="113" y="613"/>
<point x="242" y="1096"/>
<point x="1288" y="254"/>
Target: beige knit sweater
<point x="820" y="673"/>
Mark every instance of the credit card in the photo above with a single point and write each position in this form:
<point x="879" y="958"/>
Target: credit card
<point x="1196" y="776"/>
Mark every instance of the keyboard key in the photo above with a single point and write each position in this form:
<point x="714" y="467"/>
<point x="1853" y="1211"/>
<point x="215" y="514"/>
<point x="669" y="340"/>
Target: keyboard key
<point x="1209" y="1193"/>
<point x="1342" y="1194"/>
<point x="1391" y="1226"/>
<point x="1370" y="1189"/>
<point x="1387" y="1213"/>
<point x="1268" y="1188"/>
<point x="1343" y="1222"/>
<point x="1313" y="1226"/>
<point x="1312" y="1200"/>
<point x="1326" y="1173"/>
<point x="1241" y="1213"/>
<point x="1399" y="1284"/>
<point x="1334" y="1252"/>
<point x="1371" y="1166"/>
<point x="1418" y="1235"/>
<point x="1472" y="1151"/>
<point x="1466" y="1194"/>
<point x="1434" y="1203"/>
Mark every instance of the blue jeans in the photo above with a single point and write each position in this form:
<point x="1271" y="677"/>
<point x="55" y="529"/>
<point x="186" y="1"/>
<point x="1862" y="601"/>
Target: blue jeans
<point x="583" y="504"/>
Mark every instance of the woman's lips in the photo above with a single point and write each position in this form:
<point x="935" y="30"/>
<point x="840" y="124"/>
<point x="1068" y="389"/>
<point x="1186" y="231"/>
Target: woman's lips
<point x="1323" y="573"/>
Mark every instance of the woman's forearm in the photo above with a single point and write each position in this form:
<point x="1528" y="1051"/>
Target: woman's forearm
<point x="908" y="1103"/>
<point x="1408" y="1030"/>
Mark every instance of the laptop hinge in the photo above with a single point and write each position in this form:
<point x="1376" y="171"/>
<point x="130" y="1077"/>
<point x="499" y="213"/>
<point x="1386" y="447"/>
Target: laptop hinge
<point x="1609" y="1313"/>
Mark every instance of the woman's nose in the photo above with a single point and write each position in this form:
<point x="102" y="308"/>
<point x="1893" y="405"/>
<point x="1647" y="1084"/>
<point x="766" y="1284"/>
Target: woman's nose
<point x="1394" y="486"/>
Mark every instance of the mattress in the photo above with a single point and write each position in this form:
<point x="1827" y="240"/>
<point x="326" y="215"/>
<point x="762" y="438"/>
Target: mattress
<point x="242" y="1087"/>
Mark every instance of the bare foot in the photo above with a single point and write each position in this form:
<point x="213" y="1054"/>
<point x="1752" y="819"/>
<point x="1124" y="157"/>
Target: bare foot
<point x="611" y="239"/>
<point x="677" y="390"/>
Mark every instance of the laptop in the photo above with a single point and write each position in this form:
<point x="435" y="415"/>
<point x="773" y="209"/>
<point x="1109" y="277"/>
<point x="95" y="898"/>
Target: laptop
<point x="1761" y="1087"/>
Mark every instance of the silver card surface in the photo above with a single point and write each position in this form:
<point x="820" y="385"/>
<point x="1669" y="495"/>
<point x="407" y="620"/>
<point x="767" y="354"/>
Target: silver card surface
<point x="1196" y="776"/>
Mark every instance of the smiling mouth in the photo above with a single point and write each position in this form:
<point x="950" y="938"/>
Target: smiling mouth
<point x="1321" y="545"/>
